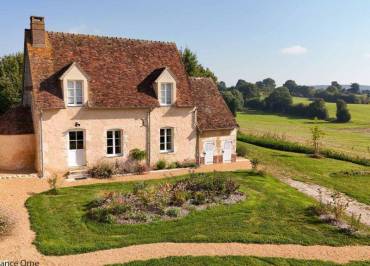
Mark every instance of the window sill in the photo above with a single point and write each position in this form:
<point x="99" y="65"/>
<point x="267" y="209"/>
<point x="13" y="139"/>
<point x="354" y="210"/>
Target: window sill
<point x="167" y="152"/>
<point x="166" y="105"/>
<point x="114" y="155"/>
<point x="75" y="105"/>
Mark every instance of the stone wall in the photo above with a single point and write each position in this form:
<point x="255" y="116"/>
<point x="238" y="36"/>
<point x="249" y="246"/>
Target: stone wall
<point x="17" y="152"/>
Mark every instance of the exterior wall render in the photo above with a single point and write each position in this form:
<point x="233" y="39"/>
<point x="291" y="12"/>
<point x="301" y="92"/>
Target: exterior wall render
<point x="218" y="137"/>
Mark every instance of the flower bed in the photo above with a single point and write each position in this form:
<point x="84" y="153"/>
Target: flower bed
<point x="165" y="201"/>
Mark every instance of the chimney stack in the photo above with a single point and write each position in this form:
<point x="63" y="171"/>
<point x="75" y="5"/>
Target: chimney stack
<point x="37" y="31"/>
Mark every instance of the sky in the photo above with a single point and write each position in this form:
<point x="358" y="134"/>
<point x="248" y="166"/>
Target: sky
<point x="310" y="41"/>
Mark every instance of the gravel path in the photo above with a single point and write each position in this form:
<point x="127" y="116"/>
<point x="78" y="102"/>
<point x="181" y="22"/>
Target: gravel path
<point x="18" y="245"/>
<point x="354" y="207"/>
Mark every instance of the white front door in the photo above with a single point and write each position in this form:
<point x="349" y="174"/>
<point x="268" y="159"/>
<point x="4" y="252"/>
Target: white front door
<point x="209" y="149"/>
<point x="226" y="151"/>
<point x="76" y="148"/>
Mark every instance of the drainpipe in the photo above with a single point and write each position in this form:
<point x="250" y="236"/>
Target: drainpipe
<point x="41" y="146"/>
<point x="148" y="137"/>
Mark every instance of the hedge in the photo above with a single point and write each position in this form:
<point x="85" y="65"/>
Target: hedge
<point x="272" y="142"/>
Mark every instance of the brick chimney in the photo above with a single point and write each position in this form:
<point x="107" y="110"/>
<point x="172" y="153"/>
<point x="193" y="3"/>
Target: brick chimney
<point x="37" y="31"/>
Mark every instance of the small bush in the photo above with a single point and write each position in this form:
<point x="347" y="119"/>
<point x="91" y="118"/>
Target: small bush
<point x="355" y="224"/>
<point x="4" y="225"/>
<point x="102" y="170"/>
<point x="231" y="186"/>
<point x="53" y="184"/>
<point x="338" y="206"/>
<point x="241" y="150"/>
<point x="255" y="162"/>
<point x="199" y="198"/>
<point x="161" y="164"/>
<point x="139" y="186"/>
<point x="187" y="164"/>
<point x="173" y="212"/>
<point x="172" y="165"/>
<point x="179" y="198"/>
<point x="141" y="168"/>
<point x="137" y="154"/>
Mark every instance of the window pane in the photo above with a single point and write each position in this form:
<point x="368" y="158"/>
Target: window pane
<point x="71" y="92"/>
<point x="72" y="135"/>
<point x="117" y="142"/>
<point x="72" y="145"/>
<point x="70" y="100"/>
<point x="80" y="144"/>
<point x="162" y="147"/>
<point x="169" y="94"/>
<point x="80" y="135"/>
<point x="70" y="84"/>
<point x="118" y="149"/>
<point x="162" y="132"/>
<point x="79" y="100"/>
<point x="117" y="134"/>
<point x="109" y="134"/>
<point x="109" y="142"/>
<point x="78" y="84"/>
<point x="79" y="92"/>
<point x="110" y="150"/>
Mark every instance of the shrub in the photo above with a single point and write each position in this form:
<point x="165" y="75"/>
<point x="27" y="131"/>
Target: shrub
<point x="231" y="186"/>
<point x="137" y="154"/>
<point x="343" y="115"/>
<point x="138" y="186"/>
<point x="179" y="198"/>
<point x="316" y="136"/>
<point x="199" y="198"/>
<point x="255" y="162"/>
<point x="188" y="164"/>
<point x="355" y="224"/>
<point x="161" y="164"/>
<point x="351" y="172"/>
<point x="4" y="225"/>
<point x="141" y="168"/>
<point x="338" y="206"/>
<point x="173" y="212"/>
<point x="279" y="100"/>
<point x="53" y="183"/>
<point x="241" y="150"/>
<point x="318" y="109"/>
<point x="102" y="170"/>
<point x="172" y="165"/>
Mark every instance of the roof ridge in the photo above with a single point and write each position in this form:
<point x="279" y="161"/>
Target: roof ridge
<point x="109" y="37"/>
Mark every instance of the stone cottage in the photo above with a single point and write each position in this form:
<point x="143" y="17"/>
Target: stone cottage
<point x="88" y="98"/>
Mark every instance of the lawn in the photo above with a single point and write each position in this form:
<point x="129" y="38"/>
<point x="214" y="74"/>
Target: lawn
<point x="352" y="137"/>
<point x="272" y="213"/>
<point x="304" y="168"/>
<point x="235" y="260"/>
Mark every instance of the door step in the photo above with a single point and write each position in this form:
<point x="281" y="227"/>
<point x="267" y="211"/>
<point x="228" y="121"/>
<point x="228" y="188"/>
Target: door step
<point x="78" y="173"/>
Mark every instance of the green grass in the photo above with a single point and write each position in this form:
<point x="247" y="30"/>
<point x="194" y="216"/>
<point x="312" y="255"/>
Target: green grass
<point x="272" y="213"/>
<point x="352" y="138"/>
<point x="304" y="168"/>
<point x="234" y="261"/>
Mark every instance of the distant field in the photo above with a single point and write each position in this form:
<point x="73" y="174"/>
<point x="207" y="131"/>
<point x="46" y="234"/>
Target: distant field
<point x="353" y="137"/>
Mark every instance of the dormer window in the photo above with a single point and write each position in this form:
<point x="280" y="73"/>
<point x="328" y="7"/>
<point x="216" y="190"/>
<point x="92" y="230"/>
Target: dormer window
<point x="166" y="93"/>
<point x="75" y="92"/>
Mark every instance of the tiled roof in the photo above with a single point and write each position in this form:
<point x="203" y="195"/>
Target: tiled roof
<point x="16" y="121"/>
<point x="213" y="113"/>
<point x="120" y="70"/>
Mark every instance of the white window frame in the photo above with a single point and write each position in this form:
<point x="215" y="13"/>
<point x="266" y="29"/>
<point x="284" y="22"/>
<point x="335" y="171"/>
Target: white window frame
<point x="168" y="97"/>
<point x="74" y="89"/>
<point x="166" y="148"/>
<point x="114" y="154"/>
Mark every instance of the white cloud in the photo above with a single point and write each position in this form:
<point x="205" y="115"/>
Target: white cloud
<point x="294" y="50"/>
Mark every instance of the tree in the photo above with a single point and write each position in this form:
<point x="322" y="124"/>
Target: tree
<point x="11" y="68"/>
<point x="240" y="83"/>
<point x="192" y="66"/>
<point x="332" y="89"/>
<point x="291" y="85"/>
<point x="222" y="86"/>
<point x="337" y="85"/>
<point x="317" y="135"/>
<point x="355" y="88"/>
<point x="249" y="90"/>
<point x="266" y="86"/>
<point x="279" y="100"/>
<point x="343" y="115"/>
<point x="234" y="100"/>
<point x="317" y="109"/>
